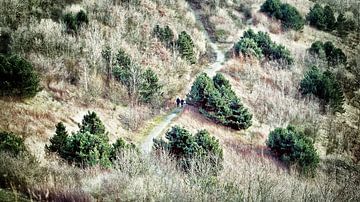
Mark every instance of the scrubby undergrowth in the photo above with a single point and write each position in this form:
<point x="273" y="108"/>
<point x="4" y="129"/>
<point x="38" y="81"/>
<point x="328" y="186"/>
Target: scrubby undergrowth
<point x="244" y="177"/>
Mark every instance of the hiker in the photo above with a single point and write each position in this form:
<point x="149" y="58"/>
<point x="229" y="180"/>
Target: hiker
<point x="182" y="102"/>
<point x="178" y="102"/>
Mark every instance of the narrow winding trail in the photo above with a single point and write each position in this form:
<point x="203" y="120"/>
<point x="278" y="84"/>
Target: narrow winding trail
<point x="146" y="146"/>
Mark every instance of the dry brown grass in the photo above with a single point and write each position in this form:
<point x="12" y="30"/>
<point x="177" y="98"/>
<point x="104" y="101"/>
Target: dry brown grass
<point x="248" y="175"/>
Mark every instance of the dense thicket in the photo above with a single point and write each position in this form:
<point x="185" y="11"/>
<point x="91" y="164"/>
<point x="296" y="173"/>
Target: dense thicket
<point x="325" y="86"/>
<point x="217" y="101"/>
<point x="185" y="147"/>
<point x="17" y="77"/>
<point x="327" y="50"/>
<point x="11" y="143"/>
<point x="259" y="44"/>
<point x="289" y="15"/>
<point x="87" y="147"/>
<point x="293" y="148"/>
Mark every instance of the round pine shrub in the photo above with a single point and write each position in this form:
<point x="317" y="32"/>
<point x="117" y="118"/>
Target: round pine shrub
<point x="89" y="146"/>
<point x="316" y="17"/>
<point x="293" y="148"/>
<point x="17" y="77"/>
<point x="186" y="47"/>
<point x="259" y="44"/>
<point x="271" y="7"/>
<point x="334" y="56"/>
<point x="248" y="48"/>
<point x="325" y="86"/>
<point x="11" y="143"/>
<point x="290" y="17"/>
<point x="58" y="141"/>
<point x="186" y="147"/>
<point x="217" y="101"/>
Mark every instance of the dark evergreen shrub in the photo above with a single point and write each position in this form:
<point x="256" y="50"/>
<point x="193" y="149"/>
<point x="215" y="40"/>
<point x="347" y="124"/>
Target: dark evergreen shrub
<point x="316" y="17"/>
<point x="292" y="147"/>
<point x="74" y="22"/>
<point x="17" y="77"/>
<point x="91" y="123"/>
<point x="333" y="55"/>
<point x="150" y="86"/>
<point x="344" y="26"/>
<point x="289" y="15"/>
<point x="217" y="101"/>
<point x="322" y="18"/>
<point x="5" y="41"/>
<point x="248" y="47"/>
<point x="81" y="18"/>
<point x="186" y="47"/>
<point x="122" y="71"/>
<point x="11" y="143"/>
<point x="329" y="18"/>
<point x="186" y="147"/>
<point x="324" y="86"/>
<point x="58" y="141"/>
<point x="70" y="22"/>
<point x="87" y="147"/>
<point x="120" y="146"/>
<point x="317" y="48"/>
<point x="263" y="46"/>
<point x="271" y="7"/>
<point x="291" y="18"/>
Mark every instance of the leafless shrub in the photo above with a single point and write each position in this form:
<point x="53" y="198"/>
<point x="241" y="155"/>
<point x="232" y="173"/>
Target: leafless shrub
<point x="135" y="116"/>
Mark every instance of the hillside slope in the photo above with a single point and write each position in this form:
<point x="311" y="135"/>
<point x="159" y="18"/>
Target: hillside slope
<point x="73" y="71"/>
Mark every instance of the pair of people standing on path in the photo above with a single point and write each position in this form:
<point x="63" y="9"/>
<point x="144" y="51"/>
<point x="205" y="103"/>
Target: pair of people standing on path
<point x="180" y="102"/>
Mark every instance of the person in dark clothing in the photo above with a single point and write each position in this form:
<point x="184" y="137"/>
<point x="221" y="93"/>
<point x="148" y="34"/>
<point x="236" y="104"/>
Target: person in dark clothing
<point x="182" y="102"/>
<point x="178" y="102"/>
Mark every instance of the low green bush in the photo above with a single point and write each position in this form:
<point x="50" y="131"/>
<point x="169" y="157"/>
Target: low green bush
<point x="58" y="141"/>
<point x="11" y="143"/>
<point x="217" y="101"/>
<point x="74" y="22"/>
<point x="259" y="44"/>
<point x="186" y="47"/>
<point x="325" y="86"/>
<point x="289" y="15"/>
<point x="186" y="147"/>
<point x="248" y="47"/>
<point x="344" y="25"/>
<point x="293" y="148"/>
<point x="150" y="86"/>
<point x="327" y="50"/>
<point x="323" y="18"/>
<point x="17" y="77"/>
<point x="87" y="147"/>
